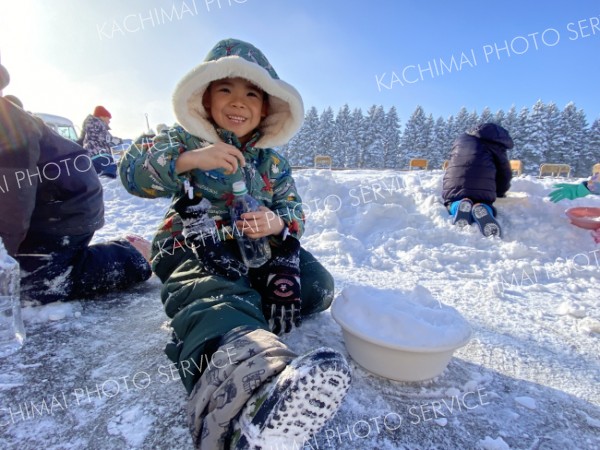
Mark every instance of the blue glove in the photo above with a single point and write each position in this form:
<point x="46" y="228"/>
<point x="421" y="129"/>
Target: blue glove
<point x="570" y="191"/>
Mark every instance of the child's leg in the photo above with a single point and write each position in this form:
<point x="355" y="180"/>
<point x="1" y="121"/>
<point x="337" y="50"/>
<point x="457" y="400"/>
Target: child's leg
<point x="205" y="307"/>
<point x="229" y="361"/>
<point x="316" y="283"/>
<point x="76" y="270"/>
<point x="46" y="266"/>
<point x="108" y="266"/>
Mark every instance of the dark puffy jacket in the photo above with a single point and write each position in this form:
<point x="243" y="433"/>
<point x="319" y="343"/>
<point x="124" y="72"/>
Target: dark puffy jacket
<point x="47" y="183"/>
<point x="479" y="168"/>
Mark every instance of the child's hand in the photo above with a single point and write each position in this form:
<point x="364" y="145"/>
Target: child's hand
<point x="215" y="156"/>
<point x="570" y="191"/>
<point x="260" y="223"/>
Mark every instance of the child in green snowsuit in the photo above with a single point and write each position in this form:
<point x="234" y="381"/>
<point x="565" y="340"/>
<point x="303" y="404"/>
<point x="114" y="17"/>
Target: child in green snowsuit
<point x="232" y="109"/>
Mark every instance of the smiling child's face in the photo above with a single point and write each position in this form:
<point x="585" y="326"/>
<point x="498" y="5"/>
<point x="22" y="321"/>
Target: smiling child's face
<point x="235" y="105"/>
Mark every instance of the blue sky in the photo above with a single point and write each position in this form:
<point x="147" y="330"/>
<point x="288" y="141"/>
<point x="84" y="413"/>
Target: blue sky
<point x="66" y="56"/>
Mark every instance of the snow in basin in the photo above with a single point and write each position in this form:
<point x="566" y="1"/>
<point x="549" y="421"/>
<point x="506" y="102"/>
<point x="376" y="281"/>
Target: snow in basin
<point x="409" y="319"/>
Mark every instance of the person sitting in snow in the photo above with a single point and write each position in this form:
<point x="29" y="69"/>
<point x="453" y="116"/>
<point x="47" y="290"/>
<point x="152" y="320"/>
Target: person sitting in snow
<point x="97" y="140"/>
<point x="50" y="206"/>
<point x="232" y="109"/>
<point x="572" y="191"/>
<point x="478" y="172"/>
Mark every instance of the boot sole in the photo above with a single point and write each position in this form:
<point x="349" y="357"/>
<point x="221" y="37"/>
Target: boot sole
<point x="486" y="222"/>
<point x="463" y="214"/>
<point x="307" y="394"/>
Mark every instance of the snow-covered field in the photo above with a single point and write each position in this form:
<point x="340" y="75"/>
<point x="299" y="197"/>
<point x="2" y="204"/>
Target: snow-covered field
<point x="93" y="376"/>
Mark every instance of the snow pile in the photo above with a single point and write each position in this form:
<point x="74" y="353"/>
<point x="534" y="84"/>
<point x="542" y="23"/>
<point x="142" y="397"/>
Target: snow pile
<point x="411" y="320"/>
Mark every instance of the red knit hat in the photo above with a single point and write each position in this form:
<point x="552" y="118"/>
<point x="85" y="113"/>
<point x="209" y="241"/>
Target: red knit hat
<point x="101" y="111"/>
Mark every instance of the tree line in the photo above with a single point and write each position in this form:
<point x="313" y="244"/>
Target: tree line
<point x="542" y="134"/>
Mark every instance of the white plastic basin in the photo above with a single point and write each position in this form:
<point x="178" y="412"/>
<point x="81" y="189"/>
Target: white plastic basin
<point x="418" y="362"/>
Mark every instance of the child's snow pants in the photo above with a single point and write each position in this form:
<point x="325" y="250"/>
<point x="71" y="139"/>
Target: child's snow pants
<point x="205" y="307"/>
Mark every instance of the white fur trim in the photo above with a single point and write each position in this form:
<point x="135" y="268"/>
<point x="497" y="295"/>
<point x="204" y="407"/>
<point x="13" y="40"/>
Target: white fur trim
<point x="285" y="114"/>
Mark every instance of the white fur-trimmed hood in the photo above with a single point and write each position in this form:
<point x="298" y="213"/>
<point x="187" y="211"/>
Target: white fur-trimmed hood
<point x="232" y="58"/>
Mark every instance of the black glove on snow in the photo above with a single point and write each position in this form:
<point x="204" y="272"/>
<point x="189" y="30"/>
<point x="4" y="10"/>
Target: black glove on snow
<point x="200" y="233"/>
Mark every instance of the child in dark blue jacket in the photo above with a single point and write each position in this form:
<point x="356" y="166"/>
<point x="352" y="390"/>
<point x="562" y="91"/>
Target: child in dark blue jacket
<point x="478" y="172"/>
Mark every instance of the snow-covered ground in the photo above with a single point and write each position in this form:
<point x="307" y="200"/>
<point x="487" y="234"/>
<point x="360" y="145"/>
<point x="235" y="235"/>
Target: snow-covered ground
<point x="93" y="376"/>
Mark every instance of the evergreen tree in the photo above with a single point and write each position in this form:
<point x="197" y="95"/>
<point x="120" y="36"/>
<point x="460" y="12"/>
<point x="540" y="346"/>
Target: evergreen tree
<point x="499" y="118"/>
<point x="473" y="121"/>
<point x="304" y="145"/>
<point x="357" y="133"/>
<point x="427" y="136"/>
<point x="538" y="135"/>
<point x="510" y="123"/>
<point x="439" y="149"/>
<point x="344" y="137"/>
<point x="575" y="146"/>
<point x="372" y="156"/>
<point x="486" y="116"/>
<point x="451" y="135"/>
<point x="413" y="141"/>
<point x="326" y="133"/>
<point x="555" y="136"/>
<point x="462" y="122"/>
<point x="521" y="132"/>
<point x="594" y="142"/>
<point x="391" y="139"/>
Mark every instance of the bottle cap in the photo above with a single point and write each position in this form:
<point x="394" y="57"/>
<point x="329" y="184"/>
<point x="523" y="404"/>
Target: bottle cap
<point x="239" y="187"/>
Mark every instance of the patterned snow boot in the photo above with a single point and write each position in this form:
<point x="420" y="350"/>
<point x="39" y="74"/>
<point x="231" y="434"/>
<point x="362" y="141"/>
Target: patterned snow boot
<point x="462" y="216"/>
<point x="257" y="393"/>
<point x="484" y="217"/>
<point x="296" y="404"/>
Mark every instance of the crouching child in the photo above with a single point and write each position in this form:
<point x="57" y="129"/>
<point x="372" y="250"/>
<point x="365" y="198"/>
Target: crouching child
<point x="478" y="172"/>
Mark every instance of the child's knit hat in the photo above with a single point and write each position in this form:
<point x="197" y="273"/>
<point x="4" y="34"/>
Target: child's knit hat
<point x="232" y="58"/>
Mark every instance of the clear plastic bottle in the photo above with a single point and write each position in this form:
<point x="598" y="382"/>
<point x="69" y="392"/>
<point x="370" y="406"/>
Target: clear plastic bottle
<point x="12" y="331"/>
<point x="255" y="252"/>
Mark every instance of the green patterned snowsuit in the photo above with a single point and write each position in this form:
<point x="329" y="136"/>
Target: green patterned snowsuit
<point x="204" y="307"/>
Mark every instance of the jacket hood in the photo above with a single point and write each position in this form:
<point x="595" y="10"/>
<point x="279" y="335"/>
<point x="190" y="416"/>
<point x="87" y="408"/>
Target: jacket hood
<point x="234" y="58"/>
<point x="494" y="133"/>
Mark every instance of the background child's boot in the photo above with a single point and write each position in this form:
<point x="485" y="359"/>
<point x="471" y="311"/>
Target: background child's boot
<point x="484" y="217"/>
<point x="296" y="404"/>
<point x="461" y="212"/>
